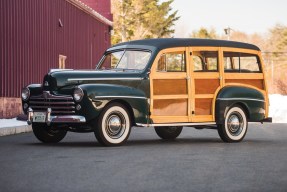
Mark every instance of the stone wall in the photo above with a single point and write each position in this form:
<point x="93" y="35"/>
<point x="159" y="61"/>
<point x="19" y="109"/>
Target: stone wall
<point x="10" y="107"/>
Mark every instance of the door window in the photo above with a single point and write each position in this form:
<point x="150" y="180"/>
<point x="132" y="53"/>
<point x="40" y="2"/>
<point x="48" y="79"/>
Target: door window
<point x="172" y="62"/>
<point x="205" y="61"/>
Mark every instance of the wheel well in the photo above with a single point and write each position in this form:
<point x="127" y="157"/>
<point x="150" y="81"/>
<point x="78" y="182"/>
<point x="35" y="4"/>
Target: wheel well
<point x="244" y="107"/>
<point x="129" y="108"/>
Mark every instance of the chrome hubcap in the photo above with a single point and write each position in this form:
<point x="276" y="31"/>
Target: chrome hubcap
<point x="115" y="125"/>
<point x="235" y="124"/>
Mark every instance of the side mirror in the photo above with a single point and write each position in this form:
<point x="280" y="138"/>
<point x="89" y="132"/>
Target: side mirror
<point x="147" y="73"/>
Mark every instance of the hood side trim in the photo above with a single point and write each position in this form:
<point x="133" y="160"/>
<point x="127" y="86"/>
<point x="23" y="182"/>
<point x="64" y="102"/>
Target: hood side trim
<point x="104" y="79"/>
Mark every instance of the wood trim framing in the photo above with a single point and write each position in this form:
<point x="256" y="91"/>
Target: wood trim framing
<point x="166" y="86"/>
<point x="253" y="82"/>
<point x="190" y="94"/>
<point x="202" y="93"/>
<point x="168" y="102"/>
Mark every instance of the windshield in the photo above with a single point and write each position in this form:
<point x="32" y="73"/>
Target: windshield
<point x="125" y="59"/>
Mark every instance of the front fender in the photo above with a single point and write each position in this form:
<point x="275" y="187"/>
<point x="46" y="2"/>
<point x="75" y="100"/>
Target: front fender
<point x="35" y="89"/>
<point x="97" y="96"/>
<point x="251" y="100"/>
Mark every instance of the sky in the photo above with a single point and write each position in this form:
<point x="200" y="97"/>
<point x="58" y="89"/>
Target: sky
<point x="249" y="16"/>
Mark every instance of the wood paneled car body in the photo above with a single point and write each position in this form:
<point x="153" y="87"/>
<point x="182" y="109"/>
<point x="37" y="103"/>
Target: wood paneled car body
<point x="163" y="83"/>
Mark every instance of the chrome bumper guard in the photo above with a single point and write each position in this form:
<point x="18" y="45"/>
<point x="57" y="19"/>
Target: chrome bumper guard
<point x="56" y="119"/>
<point x="267" y="120"/>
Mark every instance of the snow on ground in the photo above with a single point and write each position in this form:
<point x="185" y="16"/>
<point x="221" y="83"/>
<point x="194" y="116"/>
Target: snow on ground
<point x="11" y="123"/>
<point x="277" y="110"/>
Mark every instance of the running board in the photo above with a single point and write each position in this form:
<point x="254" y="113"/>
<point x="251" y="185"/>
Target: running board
<point x="174" y="124"/>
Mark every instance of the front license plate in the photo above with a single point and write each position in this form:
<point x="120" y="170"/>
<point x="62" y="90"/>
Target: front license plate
<point x="39" y="117"/>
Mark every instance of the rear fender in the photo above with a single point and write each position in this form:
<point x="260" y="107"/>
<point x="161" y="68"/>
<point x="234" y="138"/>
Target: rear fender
<point x="250" y="100"/>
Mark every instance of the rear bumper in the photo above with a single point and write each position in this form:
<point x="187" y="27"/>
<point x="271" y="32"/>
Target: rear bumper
<point x="266" y="120"/>
<point x="57" y="119"/>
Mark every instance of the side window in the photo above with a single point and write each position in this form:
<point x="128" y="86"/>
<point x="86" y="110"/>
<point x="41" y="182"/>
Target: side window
<point x="172" y="62"/>
<point x="198" y="63"/>
<point x="249" y="63"/>
<point x="112" y="60"/>
<point x="231" y="62"/>
<point x="227" y="63"/>
<point x="241" y="62"/>
<point x="205" y="61"/>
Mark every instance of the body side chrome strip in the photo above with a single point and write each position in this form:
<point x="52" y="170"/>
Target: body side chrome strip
<point x="174" y="124"/>
<point x="103" y="79"/>
<point x="133" y="97"/>
<point x="250" y="99"/>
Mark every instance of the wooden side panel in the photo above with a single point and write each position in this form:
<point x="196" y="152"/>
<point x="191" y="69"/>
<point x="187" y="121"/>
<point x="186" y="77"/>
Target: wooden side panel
<point x="169" y="86"/>
<point x="206" y="86"/>
<point x="203" y="106"/>
<point x="254" y="82"/>
<point x="170" y="107"/>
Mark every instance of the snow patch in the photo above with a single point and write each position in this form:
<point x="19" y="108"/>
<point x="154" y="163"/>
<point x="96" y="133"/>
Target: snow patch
<point x="11" y="123"/>
<point x="278" y="108"/>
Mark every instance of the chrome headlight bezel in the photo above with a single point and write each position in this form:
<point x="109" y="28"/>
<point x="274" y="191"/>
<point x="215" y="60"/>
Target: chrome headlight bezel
<point x="78" y="94"/>
<point x="25" y="94"/>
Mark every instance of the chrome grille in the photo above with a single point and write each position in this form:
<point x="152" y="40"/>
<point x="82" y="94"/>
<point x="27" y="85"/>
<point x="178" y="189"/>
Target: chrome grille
<point x="60" y="104"/>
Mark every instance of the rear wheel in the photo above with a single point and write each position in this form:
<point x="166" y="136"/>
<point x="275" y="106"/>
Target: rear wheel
<point x="47" y="134"/>
<point x="168" y="133"/>
<point x="235" y="125"/>
<point x="113" y="126"/>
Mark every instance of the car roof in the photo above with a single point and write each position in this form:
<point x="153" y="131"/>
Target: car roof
<point x="163" y="43"/>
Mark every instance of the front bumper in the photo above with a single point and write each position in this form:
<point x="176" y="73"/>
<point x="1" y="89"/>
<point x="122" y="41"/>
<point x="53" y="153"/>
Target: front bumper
<point x="56" y="119"/>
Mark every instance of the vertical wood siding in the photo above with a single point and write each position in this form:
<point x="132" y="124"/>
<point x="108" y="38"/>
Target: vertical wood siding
<point x="31" y="41"/>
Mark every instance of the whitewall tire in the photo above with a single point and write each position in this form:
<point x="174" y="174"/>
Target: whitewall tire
<point x="114" y="125"/>
<point x="235" y="125"/>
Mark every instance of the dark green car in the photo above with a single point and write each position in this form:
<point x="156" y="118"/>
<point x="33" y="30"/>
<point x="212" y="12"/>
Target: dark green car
<point x="164" y="83"/>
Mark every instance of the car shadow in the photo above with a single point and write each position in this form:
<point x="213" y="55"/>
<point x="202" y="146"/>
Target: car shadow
<point x="84" y="144"/>
<point x="150" y="142"/>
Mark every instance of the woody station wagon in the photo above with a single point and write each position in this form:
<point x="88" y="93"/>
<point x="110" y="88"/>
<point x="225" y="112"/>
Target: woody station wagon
<point x="160" y="83"/>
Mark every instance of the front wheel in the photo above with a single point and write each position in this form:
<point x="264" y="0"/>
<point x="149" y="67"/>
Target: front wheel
<point x="47" y="134"/>
<point x="168" y="133"/>
<point x="235" y="125"/>
<point x="113" y="126"/>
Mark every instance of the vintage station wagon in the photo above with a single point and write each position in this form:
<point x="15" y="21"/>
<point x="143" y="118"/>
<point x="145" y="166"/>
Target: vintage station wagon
<point x="160" y="83"/>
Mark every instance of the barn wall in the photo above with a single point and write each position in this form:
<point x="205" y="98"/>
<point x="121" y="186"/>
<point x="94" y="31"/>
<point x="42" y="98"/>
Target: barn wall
<point x="102" y="7"/>
<point x="33" y="33"/>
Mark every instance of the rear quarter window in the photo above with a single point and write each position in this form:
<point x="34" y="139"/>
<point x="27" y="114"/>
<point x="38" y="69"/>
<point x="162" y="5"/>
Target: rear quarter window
<point x="241" y="62"/>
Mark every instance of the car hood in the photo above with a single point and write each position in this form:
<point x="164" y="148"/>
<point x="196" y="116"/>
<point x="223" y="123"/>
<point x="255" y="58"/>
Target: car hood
<point x="58" y="79"/>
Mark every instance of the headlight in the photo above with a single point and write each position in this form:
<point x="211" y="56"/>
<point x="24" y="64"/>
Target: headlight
<point x="78" y="94"/>
<point x="25" y="94"/>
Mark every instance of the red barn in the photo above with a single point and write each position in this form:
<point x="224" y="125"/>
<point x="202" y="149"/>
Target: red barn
<point x="38" y="35"/>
